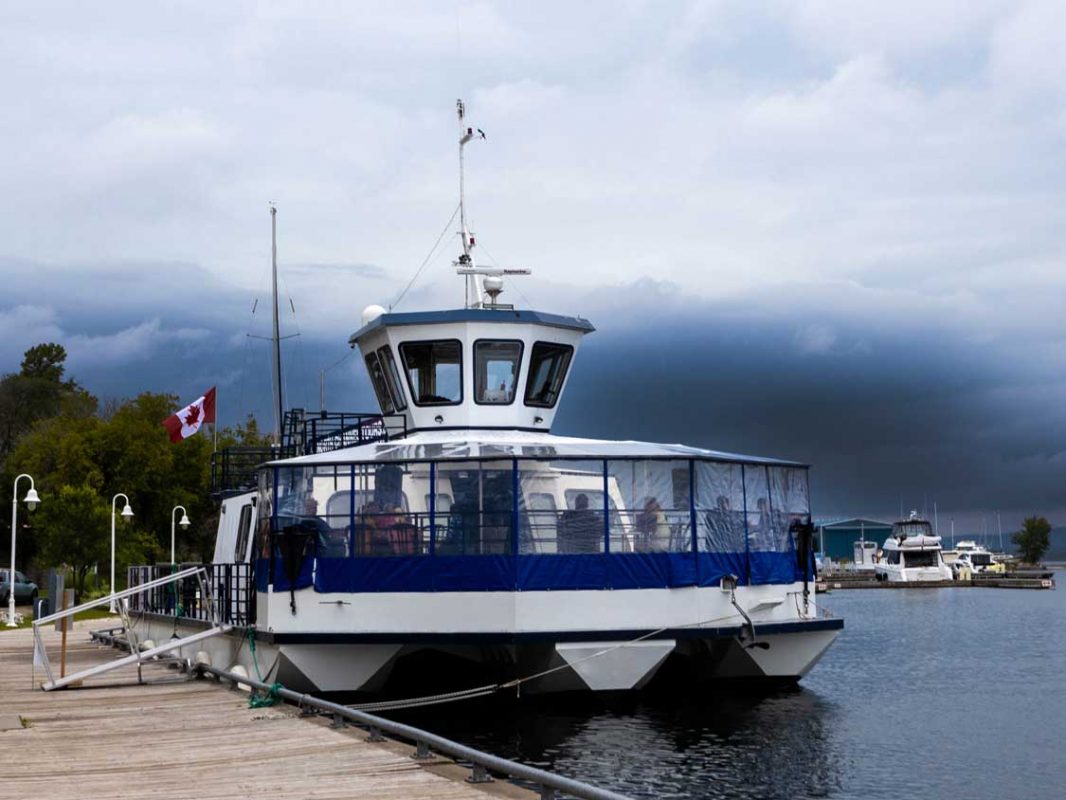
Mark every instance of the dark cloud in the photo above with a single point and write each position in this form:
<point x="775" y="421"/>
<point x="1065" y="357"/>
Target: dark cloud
<point x="889" y="404"/>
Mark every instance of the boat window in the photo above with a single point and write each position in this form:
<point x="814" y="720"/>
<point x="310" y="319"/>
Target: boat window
<point x="655" y="496"/>
<point x="981" y="559"/>
<point x="892" y="556"/>
<point x="377" y="379"/>
<point x="547" y="371"/>
<point x="920" y="558"/>
<point x="540" y="522"/>
<point x="392" y="377"/>
<point x="496" y="365"/>
<point x="442" y="505"/>
<point x="244" y="530"/>
<point x="434" y="371"/>
<point x="479" y="521"/>
<point x="719" y="493"/>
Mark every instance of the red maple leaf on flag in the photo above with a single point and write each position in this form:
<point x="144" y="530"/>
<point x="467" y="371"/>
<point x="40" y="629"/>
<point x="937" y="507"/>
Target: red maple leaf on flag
<point x="193" y="416"/>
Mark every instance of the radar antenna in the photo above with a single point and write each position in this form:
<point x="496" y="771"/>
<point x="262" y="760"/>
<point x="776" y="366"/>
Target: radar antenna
<point x="479" y="293"/>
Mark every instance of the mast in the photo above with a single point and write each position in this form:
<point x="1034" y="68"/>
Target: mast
<point x="472" y="296"/>
<point x="276" y="332"/>
<point x="476" y="287"/>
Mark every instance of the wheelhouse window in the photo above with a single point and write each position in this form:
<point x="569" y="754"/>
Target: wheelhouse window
<point x="377" y="378"/>
<point x="920" y="558"/>
<point x="392" y="377"/>
<point x="496" y="365"/>
<point x="434" y="371"/>
<point x="548" y="364"/>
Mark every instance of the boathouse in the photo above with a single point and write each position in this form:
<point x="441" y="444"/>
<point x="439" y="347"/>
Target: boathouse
<point x="836" y="539"/>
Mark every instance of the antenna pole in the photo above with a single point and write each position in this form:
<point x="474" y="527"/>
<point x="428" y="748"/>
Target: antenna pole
<point x="472" y="289"/>
<point x="276" y="337"/>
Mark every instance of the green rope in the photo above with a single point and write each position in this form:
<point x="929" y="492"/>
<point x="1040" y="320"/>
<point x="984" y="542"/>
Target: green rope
<point x="251" y="646"/>
<point x="272" y="697"/>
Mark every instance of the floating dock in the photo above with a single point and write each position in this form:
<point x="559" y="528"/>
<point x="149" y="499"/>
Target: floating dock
<point x="859" y="580"/>
<point x="176" y="736"/>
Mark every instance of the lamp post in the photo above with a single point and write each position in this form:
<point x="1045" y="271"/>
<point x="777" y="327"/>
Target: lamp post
<point x="185" y="523"/>
<point x="31" y="500"/>
<point x="127" y="512"/>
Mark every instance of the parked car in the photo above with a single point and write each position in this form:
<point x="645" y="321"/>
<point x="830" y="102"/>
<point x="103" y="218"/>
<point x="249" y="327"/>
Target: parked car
<point x="25" y="589"/>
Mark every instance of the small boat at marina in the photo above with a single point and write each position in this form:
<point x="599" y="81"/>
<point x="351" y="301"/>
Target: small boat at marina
<point x="912" y="554"/>
<point x="452" y="533"/>
<point x="975" y="557"/>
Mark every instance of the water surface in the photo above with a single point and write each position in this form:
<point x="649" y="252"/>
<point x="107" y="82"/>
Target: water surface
<point x="926" y="693"/>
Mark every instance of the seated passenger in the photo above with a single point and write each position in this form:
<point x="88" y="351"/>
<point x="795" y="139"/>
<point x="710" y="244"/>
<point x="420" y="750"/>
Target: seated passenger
<point x="580" y="530"/>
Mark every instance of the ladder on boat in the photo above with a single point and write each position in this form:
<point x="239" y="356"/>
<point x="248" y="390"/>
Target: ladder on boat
<point x="136" y="656"/>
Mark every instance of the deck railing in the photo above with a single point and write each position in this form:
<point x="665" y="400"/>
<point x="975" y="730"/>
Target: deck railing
<point x="230" y="596"/>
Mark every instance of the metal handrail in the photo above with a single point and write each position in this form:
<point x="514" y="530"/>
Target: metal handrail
<point x="425" y="739"/>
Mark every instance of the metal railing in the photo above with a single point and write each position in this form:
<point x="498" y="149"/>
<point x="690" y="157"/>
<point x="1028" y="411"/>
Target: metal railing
<point x="481" y="763"/>
<point x="235" y="469"/>
<point x="230" y="597"/>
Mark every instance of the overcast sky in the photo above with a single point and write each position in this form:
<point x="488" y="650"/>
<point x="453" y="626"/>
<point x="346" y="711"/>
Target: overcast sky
<point x="828" y="231"/>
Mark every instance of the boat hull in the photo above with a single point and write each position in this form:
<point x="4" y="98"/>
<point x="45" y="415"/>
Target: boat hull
<point x="547" y="662"/>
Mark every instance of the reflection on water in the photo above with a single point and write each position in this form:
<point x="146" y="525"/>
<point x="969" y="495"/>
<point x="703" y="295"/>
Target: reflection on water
<point x="927" y="693"/>
<point x="714" y="746"/>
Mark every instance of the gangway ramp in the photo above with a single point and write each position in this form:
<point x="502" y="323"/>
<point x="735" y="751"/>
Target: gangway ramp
<point x="137" y="655"/>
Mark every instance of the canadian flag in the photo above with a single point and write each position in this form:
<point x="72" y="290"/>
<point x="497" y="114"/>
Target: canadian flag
<point x="186" y="422"/>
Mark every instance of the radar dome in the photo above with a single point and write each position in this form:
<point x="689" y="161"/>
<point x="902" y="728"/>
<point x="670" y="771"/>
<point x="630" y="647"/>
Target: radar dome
<point x="371" y="313"/>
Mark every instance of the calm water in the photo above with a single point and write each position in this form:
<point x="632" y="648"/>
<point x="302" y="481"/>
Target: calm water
<point x="927" y="693"/>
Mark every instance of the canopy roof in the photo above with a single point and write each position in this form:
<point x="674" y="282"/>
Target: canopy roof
<point x="472" y="315"/>
<point x="472" y="445"/>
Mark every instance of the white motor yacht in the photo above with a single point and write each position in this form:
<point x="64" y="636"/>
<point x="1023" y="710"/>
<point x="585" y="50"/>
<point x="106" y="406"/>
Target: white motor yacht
<point x="912" y="554"/>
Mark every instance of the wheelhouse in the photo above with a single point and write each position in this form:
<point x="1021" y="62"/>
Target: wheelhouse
<point x="467" y="368"/>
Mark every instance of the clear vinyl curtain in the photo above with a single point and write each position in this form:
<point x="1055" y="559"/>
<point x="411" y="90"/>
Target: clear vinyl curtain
<point x="720" y="507"/>
<point x="656" y="515"/>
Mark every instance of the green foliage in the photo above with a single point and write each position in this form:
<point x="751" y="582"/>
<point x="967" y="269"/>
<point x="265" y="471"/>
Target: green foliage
<point x="37" y="393"/>
<point x="81" y="456"/>
<point x="44" y="361"/>
<point x="73" y="528"/>
<point x="1033" y="539"/>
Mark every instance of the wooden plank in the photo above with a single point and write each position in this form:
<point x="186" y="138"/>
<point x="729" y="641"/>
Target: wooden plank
<point x="179" y="737"/>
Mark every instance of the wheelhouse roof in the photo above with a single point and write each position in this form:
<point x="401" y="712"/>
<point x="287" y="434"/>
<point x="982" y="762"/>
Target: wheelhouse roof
<point x="473" y="315"/>
<point x="478" y="445"/>
<point x="917" y="542"/>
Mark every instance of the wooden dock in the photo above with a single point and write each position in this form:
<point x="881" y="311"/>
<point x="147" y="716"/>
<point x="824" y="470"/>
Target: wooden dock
<point x="175" y="736"/>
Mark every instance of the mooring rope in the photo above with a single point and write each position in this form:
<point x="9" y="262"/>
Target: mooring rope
<point x="492" y="688"/>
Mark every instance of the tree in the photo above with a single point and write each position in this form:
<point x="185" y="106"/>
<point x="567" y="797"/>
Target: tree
<point x="39" y="392"/>
<point x="1033" y="539"/>
<point x="74" y="528"/>
<point x="44" y="361"/>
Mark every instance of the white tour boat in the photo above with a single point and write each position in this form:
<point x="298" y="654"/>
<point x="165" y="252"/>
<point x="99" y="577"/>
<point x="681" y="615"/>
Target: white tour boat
<point x="453" y="534"/>
<point x="912" y="554"/>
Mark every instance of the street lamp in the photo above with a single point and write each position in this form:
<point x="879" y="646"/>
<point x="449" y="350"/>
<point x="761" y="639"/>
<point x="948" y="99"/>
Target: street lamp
<point x="127" y="512"/>
<point x="31" y="499"/>
<point x="185" y="523"/>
